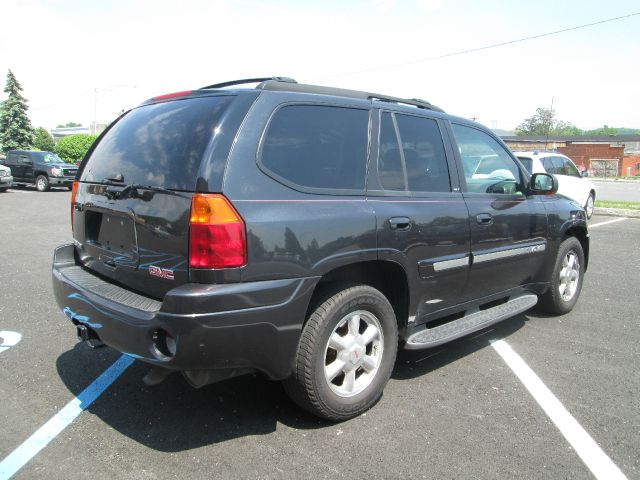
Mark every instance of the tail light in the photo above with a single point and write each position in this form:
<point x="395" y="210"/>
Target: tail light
<point x="217" y="237"/>
<point x="74" y="189"/>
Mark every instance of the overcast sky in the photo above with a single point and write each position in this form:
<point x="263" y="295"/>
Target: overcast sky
<point x="66" y="54"/>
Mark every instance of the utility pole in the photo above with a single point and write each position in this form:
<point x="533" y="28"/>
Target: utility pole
<point x="546" y="140"/>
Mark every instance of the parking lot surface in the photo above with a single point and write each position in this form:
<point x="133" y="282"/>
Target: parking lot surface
<point x="457" y="411"/>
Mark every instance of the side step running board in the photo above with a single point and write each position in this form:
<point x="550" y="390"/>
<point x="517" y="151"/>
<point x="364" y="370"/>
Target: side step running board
<point x="432" y="337"/>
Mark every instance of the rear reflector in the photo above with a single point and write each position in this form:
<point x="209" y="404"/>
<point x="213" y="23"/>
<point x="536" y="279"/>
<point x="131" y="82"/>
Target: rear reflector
<point x="217" y="237"/>
<point x="74" y="189"/>
<point x="172" y="95"/>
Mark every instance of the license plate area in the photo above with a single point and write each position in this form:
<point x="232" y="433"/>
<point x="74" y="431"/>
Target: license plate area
<point x="112" y="237"/>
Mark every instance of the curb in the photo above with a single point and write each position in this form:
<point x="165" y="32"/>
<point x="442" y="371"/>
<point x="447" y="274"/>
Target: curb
<point x="616" y="212"/>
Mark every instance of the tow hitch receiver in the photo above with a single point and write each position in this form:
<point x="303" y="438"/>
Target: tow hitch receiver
<point x="87" y="334"/>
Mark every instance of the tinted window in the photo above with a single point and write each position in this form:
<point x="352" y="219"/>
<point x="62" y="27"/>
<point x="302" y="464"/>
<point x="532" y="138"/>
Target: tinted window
<point x="158" y="145"/>
<point x="318" y="146"/>
<point x="548" y="165"/>
<point x="488" y="168"/>
<point x="527" y="162"/>
<point x="391" y="169"/>
<point x="415" y="160"/>
<point x="564" y="166"/>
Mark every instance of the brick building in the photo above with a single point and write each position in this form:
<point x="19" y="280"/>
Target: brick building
<point x="604" y="156"/>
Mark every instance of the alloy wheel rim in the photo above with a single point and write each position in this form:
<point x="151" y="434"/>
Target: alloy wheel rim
<point x="353" y="353"/>
<point x="569" y="276"/>
<point x="589" y="206"/>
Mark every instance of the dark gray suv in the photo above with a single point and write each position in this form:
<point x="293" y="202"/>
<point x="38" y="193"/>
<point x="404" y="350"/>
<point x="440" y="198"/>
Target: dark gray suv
<point x="305" y="233"/>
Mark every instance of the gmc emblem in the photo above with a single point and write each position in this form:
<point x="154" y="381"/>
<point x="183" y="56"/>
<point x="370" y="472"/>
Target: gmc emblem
<point x="161" y="272"/>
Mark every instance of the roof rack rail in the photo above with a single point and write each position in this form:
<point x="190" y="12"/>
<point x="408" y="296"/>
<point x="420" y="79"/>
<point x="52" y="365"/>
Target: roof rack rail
<point x="341" y="92"/>
<point x="249" y="80"/>
<point x="416" y="102"/>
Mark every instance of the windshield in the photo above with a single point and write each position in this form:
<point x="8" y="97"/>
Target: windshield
<point x="159" y="145"/>
<point x="48" y="157"/>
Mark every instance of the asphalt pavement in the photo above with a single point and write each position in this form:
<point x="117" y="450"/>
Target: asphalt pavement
<point x="453" y="412"/>
<point x="628" y="191"/>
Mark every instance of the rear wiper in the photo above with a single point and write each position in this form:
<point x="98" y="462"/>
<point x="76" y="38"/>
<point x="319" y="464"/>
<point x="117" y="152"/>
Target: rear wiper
<point x="132" y="191"/>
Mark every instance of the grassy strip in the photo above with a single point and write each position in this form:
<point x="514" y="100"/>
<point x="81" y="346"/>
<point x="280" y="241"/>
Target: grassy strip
<point x="615" y="204"/>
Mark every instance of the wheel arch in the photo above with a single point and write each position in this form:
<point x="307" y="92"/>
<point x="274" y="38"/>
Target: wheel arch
<point x="581" y="234"/>
<point x="386" y="276"/>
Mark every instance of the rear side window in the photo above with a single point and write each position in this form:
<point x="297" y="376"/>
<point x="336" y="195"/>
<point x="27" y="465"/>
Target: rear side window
<point x="527" y="162"/>
<point x="158" y="145"/>
<point x="317" y="147"/>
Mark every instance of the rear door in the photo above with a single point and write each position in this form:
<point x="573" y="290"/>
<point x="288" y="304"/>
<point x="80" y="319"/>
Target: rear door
<point x="508" y="229"/>
<point x="131" y="217"/>
<point x="422" y="220"/>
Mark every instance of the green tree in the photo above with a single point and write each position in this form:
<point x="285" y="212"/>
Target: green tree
<point x="43" y="141"/>
<point x="15" y="128"/>
<point x="73" y="148"/>
<point x="544" y="122"/>
<point x="69" y="125"/>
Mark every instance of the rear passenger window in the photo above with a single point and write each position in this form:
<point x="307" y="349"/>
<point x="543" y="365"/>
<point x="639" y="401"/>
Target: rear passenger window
<point x="412" y="155"/>
<point x="318" y="146"/>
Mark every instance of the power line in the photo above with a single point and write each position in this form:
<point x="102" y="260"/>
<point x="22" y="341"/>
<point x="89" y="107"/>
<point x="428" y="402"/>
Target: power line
<point x="477" y="49"/>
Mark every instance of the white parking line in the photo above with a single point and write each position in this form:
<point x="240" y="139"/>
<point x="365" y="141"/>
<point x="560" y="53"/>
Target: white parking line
<point x="61" y="420"/>
<point x="621" y="219"/>
<point x="587" y="449"/>
<point x="8" y="340"/>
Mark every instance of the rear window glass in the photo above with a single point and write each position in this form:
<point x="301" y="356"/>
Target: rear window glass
<point x="318" y="146"/>
<point x="158" y="145"/>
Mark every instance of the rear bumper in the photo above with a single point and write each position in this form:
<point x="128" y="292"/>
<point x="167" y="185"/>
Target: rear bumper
<point x="252" y="325"/>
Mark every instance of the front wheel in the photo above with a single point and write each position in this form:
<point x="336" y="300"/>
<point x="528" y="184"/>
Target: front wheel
<point x="588" y="207"/>
<point x="345" y="355"/>
<point x="566" y="279"/>
<point x="42" y="183"/>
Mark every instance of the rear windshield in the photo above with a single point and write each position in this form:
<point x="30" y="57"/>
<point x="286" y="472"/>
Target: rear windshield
<point x="158" y="145"/>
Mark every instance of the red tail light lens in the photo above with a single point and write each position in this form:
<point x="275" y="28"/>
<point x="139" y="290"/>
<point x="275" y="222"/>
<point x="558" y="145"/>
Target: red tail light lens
<point x="74" y="189"/>
<point x="217" y="237"/>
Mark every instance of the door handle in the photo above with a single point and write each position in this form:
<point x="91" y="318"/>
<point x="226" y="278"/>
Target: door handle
<point x="400" y="224"/>
<point x="484" y="218"/>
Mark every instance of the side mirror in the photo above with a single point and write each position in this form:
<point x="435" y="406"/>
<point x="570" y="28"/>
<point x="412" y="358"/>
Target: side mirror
<point x="543" y="184"/>
<point x="585" y="173"/>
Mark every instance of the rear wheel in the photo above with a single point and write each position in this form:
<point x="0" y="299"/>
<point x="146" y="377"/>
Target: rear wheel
<point x="42" y="183"/>
<point x="346" y="353"/>
<point x="566" y="279"/>
<point x="589" y="205"/>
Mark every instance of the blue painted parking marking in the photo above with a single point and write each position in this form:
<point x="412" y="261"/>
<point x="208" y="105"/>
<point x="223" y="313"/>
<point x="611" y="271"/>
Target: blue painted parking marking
<point x="61" y="420"/>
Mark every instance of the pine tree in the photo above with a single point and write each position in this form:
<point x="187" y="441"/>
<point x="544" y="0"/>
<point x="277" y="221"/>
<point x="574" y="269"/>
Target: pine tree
<point x="15" y="128"/>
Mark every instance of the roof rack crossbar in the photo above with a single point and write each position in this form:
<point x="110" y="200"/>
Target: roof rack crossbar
<point x="249" y="80"/>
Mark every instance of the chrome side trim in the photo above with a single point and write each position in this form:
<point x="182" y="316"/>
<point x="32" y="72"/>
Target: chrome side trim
<point x="449" y="264"/>
<point x="512" y="252"/>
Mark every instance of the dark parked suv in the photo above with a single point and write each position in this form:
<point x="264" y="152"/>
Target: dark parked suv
<point x="44" y="169"/>
<point x="305" y="233"/>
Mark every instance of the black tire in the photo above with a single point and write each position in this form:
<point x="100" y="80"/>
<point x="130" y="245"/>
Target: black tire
<point x="563" y="292"/>
<point x="42" y="183"/>
<point x="332" y="400"/>
<point x="588" y="206"/>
